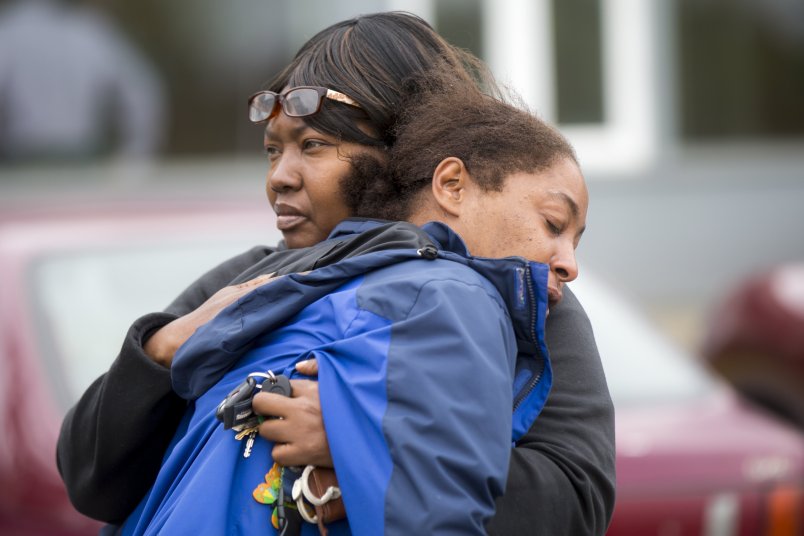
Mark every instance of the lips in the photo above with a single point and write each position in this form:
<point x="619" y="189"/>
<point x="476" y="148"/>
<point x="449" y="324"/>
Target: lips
<point x="554" y="296"/>
<point x="288" y="216"/>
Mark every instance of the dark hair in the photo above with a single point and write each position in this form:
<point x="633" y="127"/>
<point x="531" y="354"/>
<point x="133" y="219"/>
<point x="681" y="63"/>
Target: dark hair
<point x="370" y="58"/>
<point x="494" y="139"/>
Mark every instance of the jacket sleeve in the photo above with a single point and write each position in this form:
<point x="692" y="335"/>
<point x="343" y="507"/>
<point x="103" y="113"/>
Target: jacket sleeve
<point x="418" y="411"/>
<point x="112" y="441"/>
<point x="562" y="478"/>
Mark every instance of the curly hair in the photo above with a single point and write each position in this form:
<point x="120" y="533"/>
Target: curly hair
<point x="444" y="118"/>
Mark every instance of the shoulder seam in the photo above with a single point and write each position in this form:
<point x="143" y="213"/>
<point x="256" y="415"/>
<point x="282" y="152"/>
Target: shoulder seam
<point x="498" y="300"/>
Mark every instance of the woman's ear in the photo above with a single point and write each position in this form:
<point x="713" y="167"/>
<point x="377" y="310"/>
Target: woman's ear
<point x="449" y="187"/>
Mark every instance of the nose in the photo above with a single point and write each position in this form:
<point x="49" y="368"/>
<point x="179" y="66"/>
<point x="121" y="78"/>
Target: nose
<point x="284" y="173"/>
<point x="565" y="265"/>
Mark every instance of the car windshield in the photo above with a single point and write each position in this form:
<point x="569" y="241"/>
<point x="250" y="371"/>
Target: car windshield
<point x="86" y="300"/>
<point x="642" y="366"/>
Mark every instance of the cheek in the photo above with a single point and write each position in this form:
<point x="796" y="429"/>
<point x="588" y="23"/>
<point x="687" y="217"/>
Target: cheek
<point x="324" y="193"/>
<point x="517" y="238"/>
<point x="539" y="252"/>
<point x="269" y="193"/>
<point x="540" y="246"/>
<point x="531" y="243"/>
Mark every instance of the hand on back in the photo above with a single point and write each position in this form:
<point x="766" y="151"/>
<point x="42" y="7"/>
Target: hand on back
<point x="162" y="345"/>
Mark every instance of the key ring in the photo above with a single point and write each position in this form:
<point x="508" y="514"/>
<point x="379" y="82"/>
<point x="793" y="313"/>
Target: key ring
<point x="235" y="410"/>
<point x="269" y="375"/>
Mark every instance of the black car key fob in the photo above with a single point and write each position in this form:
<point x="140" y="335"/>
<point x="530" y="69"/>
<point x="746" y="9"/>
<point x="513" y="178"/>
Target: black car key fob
<point x="235" y="411"/>
<point x="279" y="385"/>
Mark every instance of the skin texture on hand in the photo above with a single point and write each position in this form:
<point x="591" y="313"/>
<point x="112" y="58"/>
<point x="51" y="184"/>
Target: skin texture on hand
<point x="299" y="435"/>
<point x="162" y="345"/>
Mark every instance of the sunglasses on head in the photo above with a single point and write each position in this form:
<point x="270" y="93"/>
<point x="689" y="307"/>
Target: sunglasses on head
<point x="299" y="101"/>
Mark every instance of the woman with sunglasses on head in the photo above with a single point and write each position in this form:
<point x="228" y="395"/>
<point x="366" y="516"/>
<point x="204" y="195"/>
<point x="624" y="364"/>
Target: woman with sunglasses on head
<point x="112" y="442"/>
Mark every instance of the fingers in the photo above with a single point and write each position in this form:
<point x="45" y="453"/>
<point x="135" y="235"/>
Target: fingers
<point x="161" y="346"/>
<point x="228" y="295"/>
<point x="290" y="454"/>
<point x="308" y="368"/>
<point x="258" y="281"/>
<point x="307" y="391"/>
<point x="286" y="454"/>
<point x="306" y="450"/>
<point x="299" y="434"/>
<point x="277" y="430"/>
<point x="271" y="405"/>
<point x="303" y="405"/>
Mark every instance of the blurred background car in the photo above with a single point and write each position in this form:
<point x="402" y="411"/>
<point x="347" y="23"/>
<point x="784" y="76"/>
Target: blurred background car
<point x="754" y="338"/>
<point x="73" y="278"/>
<point x="693" y="459"/>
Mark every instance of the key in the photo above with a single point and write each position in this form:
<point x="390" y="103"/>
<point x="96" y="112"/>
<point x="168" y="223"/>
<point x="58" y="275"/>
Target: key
<point x="249" y="443"/>
<point x="250" y="434"/>
<point x="247" y="432"/>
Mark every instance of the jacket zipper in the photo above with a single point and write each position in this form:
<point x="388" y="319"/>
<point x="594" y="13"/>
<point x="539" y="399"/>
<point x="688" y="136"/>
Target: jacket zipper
<point x="533" y="315"/>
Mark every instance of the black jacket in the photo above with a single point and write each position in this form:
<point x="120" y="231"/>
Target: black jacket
<point x="561" y="478"/>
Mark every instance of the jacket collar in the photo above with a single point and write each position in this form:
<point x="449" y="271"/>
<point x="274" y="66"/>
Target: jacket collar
<point x="521" y="283"/>
<point x="352" y="226"/>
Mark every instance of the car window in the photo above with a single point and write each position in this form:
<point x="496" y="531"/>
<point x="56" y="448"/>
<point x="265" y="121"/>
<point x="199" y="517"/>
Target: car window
<point x="86" y="300"/>
<point x="641" y="365"/>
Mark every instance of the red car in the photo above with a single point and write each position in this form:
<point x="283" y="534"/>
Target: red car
<point x="72" y="280"/>
<point x="754" y="339"/>
<point x="692" y="458"/>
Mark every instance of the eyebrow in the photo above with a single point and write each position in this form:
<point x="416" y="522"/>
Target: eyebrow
<point x="295" y="132"/>
<point x="571" y="204"/>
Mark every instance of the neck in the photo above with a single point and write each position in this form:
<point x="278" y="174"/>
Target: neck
<point x="425" y="209"/>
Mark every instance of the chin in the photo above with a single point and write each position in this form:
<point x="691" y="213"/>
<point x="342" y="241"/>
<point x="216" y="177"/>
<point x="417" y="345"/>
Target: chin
<point x="292" y="241"/>
<point x="300" y="239"/>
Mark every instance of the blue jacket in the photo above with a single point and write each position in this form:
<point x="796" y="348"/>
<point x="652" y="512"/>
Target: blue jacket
<point x="422" y="358"/>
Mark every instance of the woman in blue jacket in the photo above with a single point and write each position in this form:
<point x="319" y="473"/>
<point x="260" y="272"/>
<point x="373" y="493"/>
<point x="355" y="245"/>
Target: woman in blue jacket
<point x="561" y="472"/>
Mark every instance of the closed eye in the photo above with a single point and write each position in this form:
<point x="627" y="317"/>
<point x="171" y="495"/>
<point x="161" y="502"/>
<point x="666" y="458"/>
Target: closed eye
<point x="553" y="228"/>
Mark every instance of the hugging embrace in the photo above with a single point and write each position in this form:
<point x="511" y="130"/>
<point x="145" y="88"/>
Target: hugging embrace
<point x="423" y="251"/>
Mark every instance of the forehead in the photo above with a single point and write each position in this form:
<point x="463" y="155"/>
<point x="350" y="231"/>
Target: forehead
<point x="284" y="126"/>
<point x="562" y="182"/>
